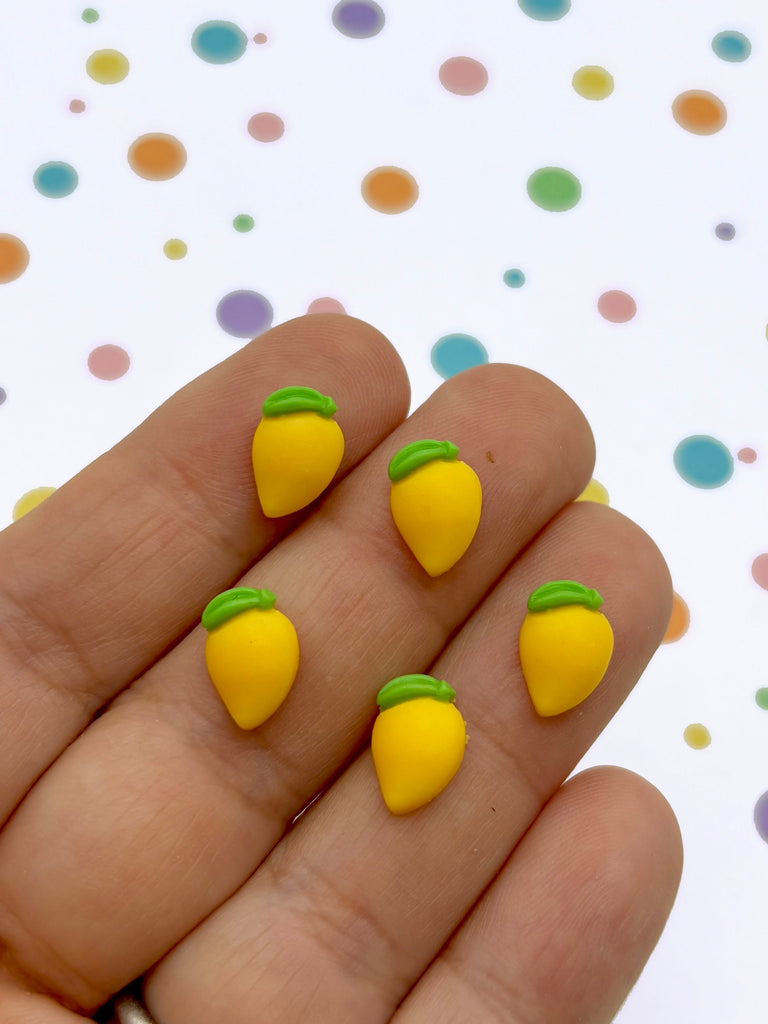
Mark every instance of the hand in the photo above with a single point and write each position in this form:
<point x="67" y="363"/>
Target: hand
<point x="143" y="828"/>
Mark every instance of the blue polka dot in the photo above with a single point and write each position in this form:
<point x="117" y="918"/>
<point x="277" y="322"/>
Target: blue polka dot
<point x="55" y="179"/>
<point x="703" y="461"/>
<point x="514" y="278"/>
<point x="456" y="352"/>
<point x="731" y="46"/>
<point x="219" y="42"/>
<point x="545" y="10"/>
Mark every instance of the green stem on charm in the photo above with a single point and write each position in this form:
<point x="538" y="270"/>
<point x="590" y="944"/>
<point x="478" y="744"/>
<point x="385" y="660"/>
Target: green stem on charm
<point x="404" y="688"/>
<point x="298" y="399"/>
<point x="418" y="454"/>
<point x="231" y="602"/>
<point x="562" y="592"/>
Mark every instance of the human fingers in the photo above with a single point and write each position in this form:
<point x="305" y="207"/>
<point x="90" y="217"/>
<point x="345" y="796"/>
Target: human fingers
<point x="169" y="804"/>
<point x="100" y="579"/>
<point x="355" y="903"/>
<point x="565" y="930"/>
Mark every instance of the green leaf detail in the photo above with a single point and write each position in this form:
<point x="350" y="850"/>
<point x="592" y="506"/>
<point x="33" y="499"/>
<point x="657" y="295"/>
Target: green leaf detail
<point x="558" y="593"/>
<point x="418" y="454"/>
<point x="227" y="605"/>
<point x="298" y="399"/>
<point x="405" y="688"/>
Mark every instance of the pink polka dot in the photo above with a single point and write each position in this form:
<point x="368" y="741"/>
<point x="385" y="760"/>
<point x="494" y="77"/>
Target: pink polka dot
<point x="463" y="76"/>
<point x="326" y="305"/>
<point x="616" y="306"/>
<point x="746" y="455"/>
<point x="266" y="127"/>
<point x="760" y="571"/>
<point x="77" y="106"/>
<point x="108" y="362"/>
<point x="260" y="38"/>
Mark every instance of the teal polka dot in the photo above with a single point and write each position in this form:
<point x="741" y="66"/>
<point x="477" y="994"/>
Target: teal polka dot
<point x="545" y="10"/>
<point x="55" y="179"/>
<point x="456" y="352"/>
<point x="732" y="46"/>
<point x="703" y="461"/>
<point x="219" y="42"/>
<point x="514" y="278"/>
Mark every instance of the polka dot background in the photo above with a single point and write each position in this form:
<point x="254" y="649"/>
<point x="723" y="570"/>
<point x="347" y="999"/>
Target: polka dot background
<point x="515" y="187"/>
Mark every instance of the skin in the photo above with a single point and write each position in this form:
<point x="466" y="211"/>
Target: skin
<point x="156" y="838"/>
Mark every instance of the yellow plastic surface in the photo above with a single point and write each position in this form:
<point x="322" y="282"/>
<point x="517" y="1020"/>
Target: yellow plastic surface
<point x="252" y="660"/>
<point x="564" y="653"/>
<point x="295" y="457"/>
<point x="417" y="748"/>
<point x="437" y="508"/>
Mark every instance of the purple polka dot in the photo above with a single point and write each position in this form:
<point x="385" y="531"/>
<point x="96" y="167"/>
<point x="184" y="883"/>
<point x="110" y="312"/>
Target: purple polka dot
<point x="761" y="817"/>
<point x="725" y="232"/>
<point x="3" y="395"/>
<point x="244" y="314"/>
<point x="359" y="19"/>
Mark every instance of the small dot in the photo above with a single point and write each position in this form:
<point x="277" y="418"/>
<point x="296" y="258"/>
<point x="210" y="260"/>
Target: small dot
<point x="55" y="179"/>
<point x="545" y="10"/>
<point x="358" y="19"/>
<point x="697" y="736"/>
<point x="592" y="82"/>
<point x="456" y="352"/>
<point x="266" y="127"/>
<point x="594" y="491"/>
<point x="761" y="817"/>
<point x="260" y="38"/>
<point x="761" y="698"/>
<point x="554" y="189"/>
<point x="175" y="249"/>
<point x="30" y="500"/>
<point x="157" y="156"/>
<point x="725" y="231"/>
<point x="77" y="106"/>
<point x="703" y="461"/>
<point x="389" y="189"/>
<point x="325" y="305"/>
<point x="747" y="455"/>
<point x="14" y="258"/>
<point x="219" y="42"/>
<point x="760" y="571"/>
<point x="244" y="314"/>
<point x="109" y="362"/>
<point x="243" y="222"/>
<point x="732" y="46"/>
<point x="514" y="278"/>
<point x="107" y="67"/>
<point x="699" y="112"/>
<point x="89" y="15"/>
<point x="616" y="306"/>
<point x="463" y="76"/>
<point x="679" y="620"/>
<point x="3" y="396"/>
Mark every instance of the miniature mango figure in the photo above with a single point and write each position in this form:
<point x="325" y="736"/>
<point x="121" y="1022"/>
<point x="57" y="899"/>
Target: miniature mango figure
<point x="565" y="645"/>
<point x="418" y="741"/>
<point x="296" y="450"/>
<point x="252" y="653"/>
<point x="436" y="502"/>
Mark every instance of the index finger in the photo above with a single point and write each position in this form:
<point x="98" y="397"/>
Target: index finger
<point x="88" y="603"/>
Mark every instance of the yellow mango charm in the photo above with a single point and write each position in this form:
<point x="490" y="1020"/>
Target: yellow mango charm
<point x="296" y="450"/>
<point x="418" y="741"/>
<point x="565" y="645"/>
<point x="435" y="501"/>
<point x="252" y="653"/>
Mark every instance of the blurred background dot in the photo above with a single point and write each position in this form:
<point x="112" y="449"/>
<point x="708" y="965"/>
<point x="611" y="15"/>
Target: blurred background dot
<point x="679" y="620"/>
<point x="77" y="106"/>
<point x="243" y="222"/>
<point x="514" y="278"/>
<point x="266" y="127"/>
<point x="616" y="306"/>
<point x="358" y="19"/>
<point x="463" y="76"/>
<point x="456" y="352"/>
<point x="157" y="156"/>
<point x="703" y="461"/>
<point x="594" y="491"/>
<point x="244" y="313"/>
<point x="731" y="46"/>
<point x="260" y="38"/>
<point x="760" y="571"/>
<point x="697" y="736"/>
<point x="592" y="82"/>
<point x="699" y="112"/>
<point x="554" y="189"/>
<point x="14" y="258"/>
<point x="175" y="249"/>
<point x="219" y="42"/>
<point x="325" y="305"/>
<point x="545" y="10"/>
<point x="761" y="698"/>
<point x="107" y="67"/>
<point x="725" y="231"/>
<point x="747" y="455"/>
<point x="761" y="817"/>
<point x="30" y="500"/>
<point x="389" y="189"/>
<point x="89" y="15"/>
<point x="55" y="179"/>
<point x="108" y="362"/>
<point x="3" y="395"/>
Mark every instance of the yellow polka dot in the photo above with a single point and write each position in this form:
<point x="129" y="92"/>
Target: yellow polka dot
<point x="107" y="67"/>
<point x="592" y="82"/>
<point x="30" y="500"/>
<point x="594" y="491"/>
<point x="697" y="736"/>
<point x="175" y="249"/>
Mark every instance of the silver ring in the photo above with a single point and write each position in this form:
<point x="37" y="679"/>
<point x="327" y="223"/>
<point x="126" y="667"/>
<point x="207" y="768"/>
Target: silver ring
<point x="128" y="1010"/>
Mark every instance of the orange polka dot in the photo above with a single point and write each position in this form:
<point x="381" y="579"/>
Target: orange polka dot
<point x="14" y="258"/>
<point x="699" y="112"/>
<point x="679" y="620"/>
<point x="390" y="189"/>
<point x="157" y="157"/>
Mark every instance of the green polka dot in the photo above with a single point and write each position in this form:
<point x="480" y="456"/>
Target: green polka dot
<point x="243" y="222"/>
<point x="761" y="698"/>
<point x="89" y="15"/>
<point x="554" y="189"/>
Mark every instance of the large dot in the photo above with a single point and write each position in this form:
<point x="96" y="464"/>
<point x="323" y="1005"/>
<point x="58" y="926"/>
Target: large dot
<point x="761" y="817"/>
<point x="219" y="42"/>
<point x="55" y="179"/>
<point x="389" y="189"/>
<point x="89" y="15"/>
<point x="175" y="249"/>
<point x="108" y="362"/>
<point x="243" y="222"/>
<point x="514" y="278"/>
<point x="732" y="46"/>
<point x="616" y="306"/>
<point x="14" y="258"/>
<point x="30" y="500"/>
<point x="545" y="10"/>
<point x="266" y="127"/>
<point x="697" y="736"/>
<point x="725" y="231"/>
<point x="679" y="620"/>
<point x="595" y="491"/>
<point x="592" y="82"/>
<point x="244" y="314"/>
<point x="463" y="76"/>
<point x="325" y="305"/>
<point x="703" y="461"/>
<point x="157" y="156"/>
<point x="760" y="571"/>
<point x="456" y="352"/>
<point x="107" y="67"/>
<point x="554" y="189"/>
<point x="358" y="19"/>
<point x="699" y="112"/>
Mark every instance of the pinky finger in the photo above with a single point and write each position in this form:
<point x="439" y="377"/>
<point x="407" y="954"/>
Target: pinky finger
<point x="565" y="930"/>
